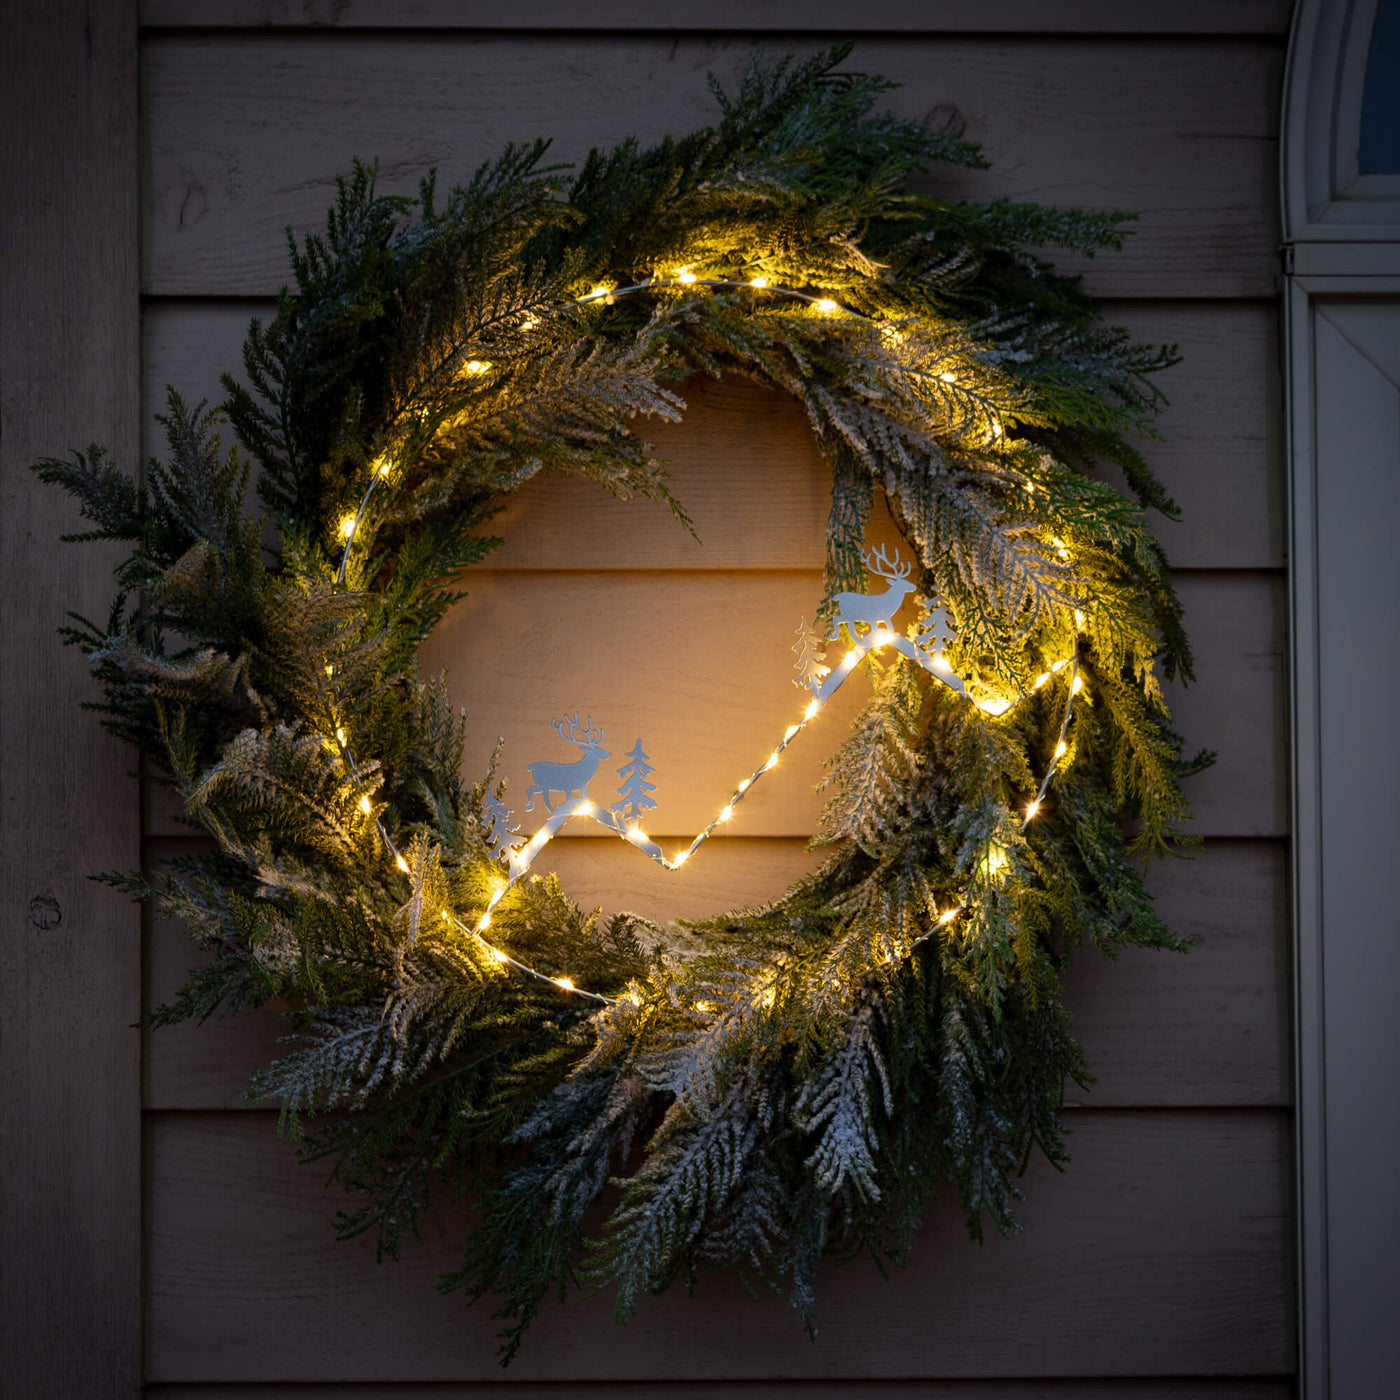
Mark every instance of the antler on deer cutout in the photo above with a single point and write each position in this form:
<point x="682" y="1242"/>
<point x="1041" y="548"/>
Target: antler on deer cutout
<point x="567" y="779"/>
<point x="874" y="610"/>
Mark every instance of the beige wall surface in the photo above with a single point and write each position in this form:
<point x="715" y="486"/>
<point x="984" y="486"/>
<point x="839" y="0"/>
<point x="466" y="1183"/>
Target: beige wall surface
<point x="1160" y="1262"/>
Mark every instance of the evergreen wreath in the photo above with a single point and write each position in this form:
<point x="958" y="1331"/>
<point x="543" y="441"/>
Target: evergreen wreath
<point x="780" y="1083"/>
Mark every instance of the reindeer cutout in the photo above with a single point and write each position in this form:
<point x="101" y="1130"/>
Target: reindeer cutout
<point x="568" y="779"/>
<point x="874" y="609"/>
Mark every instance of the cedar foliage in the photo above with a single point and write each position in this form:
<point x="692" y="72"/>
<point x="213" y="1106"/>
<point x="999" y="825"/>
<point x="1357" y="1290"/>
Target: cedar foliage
<point x="783" y="1083"/>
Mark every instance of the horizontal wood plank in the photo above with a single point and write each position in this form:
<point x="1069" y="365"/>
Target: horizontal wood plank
<point x="1191" y="144"/>
<point x="1208" y="1028"/>
<point x="1236" y="706"/>
<point x="737" y="16"/>
<point x="1163" y="1250"/>
<point x="1177" y="1388"/>
<point x="744" y="465"/>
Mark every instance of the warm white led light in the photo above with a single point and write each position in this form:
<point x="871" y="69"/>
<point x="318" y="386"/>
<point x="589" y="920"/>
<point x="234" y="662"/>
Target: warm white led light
<point x="401" y="863"/>
<point x="484" y="921"/>
<point x="812" y="710"/>
<point x="826" y="306"/>
<point x="1032" y="808"/>
<point x="744" y="784"/>
<point x="364" y="805"/>
<point x="681" y="859"/>
<point x="1061" y="749"/>
<point x="791" y="732"/>
<point x="687" y="277"/>
<point x="725" y="815"/>
<point x="759" y="282"/>
<point x="347" y="526"/>
<point x="567" y="983"/>
<point x="1078" y="685"/>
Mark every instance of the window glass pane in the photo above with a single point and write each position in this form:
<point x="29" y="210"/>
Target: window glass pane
<point x="1379" y="152"/>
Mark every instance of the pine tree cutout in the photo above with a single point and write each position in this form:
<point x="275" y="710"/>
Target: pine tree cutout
<point x="935" y="632"/>
<point x="635" y="792"/>
<point x="500" y="834"/>
<point x="810" y="647"/>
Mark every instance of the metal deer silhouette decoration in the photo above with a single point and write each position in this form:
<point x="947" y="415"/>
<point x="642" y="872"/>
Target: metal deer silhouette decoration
<point x="869" y="622"/>
<point x="568" y="779"/>
<point x="874" y="610"/>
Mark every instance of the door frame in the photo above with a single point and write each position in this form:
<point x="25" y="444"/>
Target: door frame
<point x="1341" y="240"/>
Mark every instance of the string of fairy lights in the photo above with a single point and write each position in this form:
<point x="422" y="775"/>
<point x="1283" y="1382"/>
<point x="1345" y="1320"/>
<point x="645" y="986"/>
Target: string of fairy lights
<point x="879" y="636"/>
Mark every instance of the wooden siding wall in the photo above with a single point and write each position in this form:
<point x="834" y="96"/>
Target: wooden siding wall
<point x="70" y="950"/>
<point x="1160" y="1263"/>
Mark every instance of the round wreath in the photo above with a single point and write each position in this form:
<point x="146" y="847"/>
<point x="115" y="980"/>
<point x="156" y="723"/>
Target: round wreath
<point x="779" y="1083"/>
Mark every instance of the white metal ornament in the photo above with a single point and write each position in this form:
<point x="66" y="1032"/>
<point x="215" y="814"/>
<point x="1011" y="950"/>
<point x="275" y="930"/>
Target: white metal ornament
<point x="568" y="779"/>
<point x="635" y="792"/>
<point x="810" y="647"/>
<point x="501" y="836"/>
<point x="874" y="610"/>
